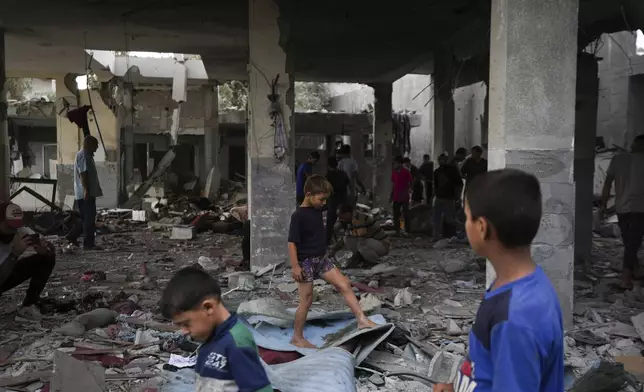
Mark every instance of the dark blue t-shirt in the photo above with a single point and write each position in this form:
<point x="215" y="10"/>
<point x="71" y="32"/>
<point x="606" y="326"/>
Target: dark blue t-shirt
<point x="516" y="343"/>
<point x="307" y="232"/>
<point x="305" y="170"/>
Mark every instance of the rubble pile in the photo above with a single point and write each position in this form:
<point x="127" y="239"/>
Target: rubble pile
<point x="101" y="328"/>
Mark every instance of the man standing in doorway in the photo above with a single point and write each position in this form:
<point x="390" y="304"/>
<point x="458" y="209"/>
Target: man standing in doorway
<point x="303" y="173"/>
<point x="474" y="165"/>
<point x="87" y="189"/>
<point x="627" y="172"/>
<point x="447" y="186"/>
<point x="349" y="165"/>
<point x="427" y="172"/>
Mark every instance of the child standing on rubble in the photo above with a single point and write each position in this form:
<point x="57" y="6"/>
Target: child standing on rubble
<point x="307" y="247"/>
<point x="228" y="359"/>
<point x="516" y="342"/>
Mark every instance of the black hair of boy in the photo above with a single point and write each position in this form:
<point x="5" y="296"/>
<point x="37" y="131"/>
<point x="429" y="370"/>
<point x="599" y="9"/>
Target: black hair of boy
<point x="315" y="155"/>
<point x="316" y="185"/>
<point x="510" y="200"/>
<point x="398" y="159"/>
<point x="477" y="149"/>
<point x="186" y="291"/>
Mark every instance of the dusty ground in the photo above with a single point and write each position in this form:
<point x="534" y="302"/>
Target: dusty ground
<point x="445" y="286"/>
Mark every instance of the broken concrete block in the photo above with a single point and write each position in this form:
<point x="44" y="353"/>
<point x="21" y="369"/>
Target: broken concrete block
<point x="434" y="321"/>
<point x="456" y="348"/>
<point x="242" y="280"/>
<point x="145" y="337"/>
<point x="73" y="375"/>
<point x="207" y="263"/>
<point x="441" y="244"/>
<point x="97" y="318"/>
<point x="452" y="266"/>
<point x="383" y="269"/>
<point x="369" y="303"/>
<point x="377" y="380"/>
<point x="450" y="302"/>
<point x="444" y="367"/>
<point x="183" y="233"/>
<point x="592" y="315"/>
<point x="454" y="312"/>
<point x="638" y="323"/>
<point x="452" y="328"/>
<point x="404" y="298"/>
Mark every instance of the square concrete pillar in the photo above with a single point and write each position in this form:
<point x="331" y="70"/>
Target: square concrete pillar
<point x="533" y="70"/>
<point x="5" y="167"/>
<point x="444" y="117"/>
<point x="584" y="169"/>
<point x="383" y="143"/>
<point x="271" y="157"/>
<point x="212" y="138"/>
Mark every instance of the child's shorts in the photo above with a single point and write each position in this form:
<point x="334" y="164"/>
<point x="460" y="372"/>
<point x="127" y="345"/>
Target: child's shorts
<point x="314" y="267"/>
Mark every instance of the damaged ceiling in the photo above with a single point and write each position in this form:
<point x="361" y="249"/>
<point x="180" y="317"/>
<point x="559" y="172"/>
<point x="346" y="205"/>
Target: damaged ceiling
<point x="357" y="41"/>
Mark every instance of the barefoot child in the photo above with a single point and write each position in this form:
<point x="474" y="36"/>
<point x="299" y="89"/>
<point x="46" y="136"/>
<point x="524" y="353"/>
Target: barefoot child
<point x="307" y="251"/>
<point x="516" y="343"/>
<point x="228" y="359"/>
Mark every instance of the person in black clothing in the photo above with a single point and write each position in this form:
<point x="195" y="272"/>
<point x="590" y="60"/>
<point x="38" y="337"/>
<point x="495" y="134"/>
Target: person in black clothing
<point x="340" y="182"/>
<point x="447" y="185"/>
<point x="427" y="172"/>
<point x="417" y="184"/>
<point x="474" y="165"/>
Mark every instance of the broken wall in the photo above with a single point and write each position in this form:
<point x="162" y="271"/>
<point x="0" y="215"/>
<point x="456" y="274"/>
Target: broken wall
<point x="618" y="64"/>
<point x="469" y="106"/>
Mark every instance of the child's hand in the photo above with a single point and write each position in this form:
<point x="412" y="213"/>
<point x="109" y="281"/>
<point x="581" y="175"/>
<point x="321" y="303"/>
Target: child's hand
<point x="297" y="274"/>
<point x="443" y="388"/>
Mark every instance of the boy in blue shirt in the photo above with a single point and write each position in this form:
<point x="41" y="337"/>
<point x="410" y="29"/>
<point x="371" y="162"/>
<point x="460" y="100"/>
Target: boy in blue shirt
<point x="516" y="343"/>
<point x="227" y="361"/>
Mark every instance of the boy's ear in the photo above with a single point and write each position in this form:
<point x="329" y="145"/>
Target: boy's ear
<point x="210" y="304"/>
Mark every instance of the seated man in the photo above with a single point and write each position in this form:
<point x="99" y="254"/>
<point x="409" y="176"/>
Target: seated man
<point x="362" y="235"/>
<point x="17" y="267"/>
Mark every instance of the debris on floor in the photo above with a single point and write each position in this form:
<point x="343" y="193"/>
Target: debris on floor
<point x="101" y="327"/>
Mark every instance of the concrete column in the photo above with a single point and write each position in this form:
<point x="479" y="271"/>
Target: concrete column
<point x="212" y="139"/>
<point x="444" y="120"/>
<point x="584" y="169"/>
<point x="271" y="180"/>
<point x="533" y="64"/>
<point x="382" y="142"/>
<point x="5" y="167"/>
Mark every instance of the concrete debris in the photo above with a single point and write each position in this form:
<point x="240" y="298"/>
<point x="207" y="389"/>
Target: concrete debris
<point x="452" y="328"/>
<point x="638" y="323"/>
<point x="444" y="367"/>
<point x="404" y="298"/>
<point x="144" y="338"/>
<point x="74" y="375"/>
<point x="207" y="263"/>
<point x="369" y="303"/>
<point x="377" y="380"/>
<point x="454" y="265"/>
<point x="244" y="281"/>
<point x="183" y="233"/>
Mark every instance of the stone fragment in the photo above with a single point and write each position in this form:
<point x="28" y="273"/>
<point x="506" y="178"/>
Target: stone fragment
<point x="638" y="323"/>
<point x="452" y="328"/>
<point x="145" y="337"/>
<point x="456" y="348"/>
<point x="404" y="298"/>
<point x="452" y="266"/>
<point x="73" y="375"/>
<point x="377" y="380"/>
<point x="183" y="233"/>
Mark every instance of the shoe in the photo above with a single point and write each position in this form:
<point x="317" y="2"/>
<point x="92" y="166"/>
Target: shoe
<point x="31" y="312"/>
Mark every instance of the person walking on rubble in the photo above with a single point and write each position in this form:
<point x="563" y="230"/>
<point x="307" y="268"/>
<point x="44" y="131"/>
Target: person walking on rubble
<point x="427" y="171"/>
<point x="447" y="187"/>
<point x="517" y="340"/>
<point x="362" y="235"/>
<point x="87" y="189"/>
<point x="16" y="266"/>
<point x="626" y="171"/>
<point x="307" y="252"/>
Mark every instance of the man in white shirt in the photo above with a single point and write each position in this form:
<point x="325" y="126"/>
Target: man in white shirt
<point x="16" y="266"/>
<point x="627" y="172"/>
